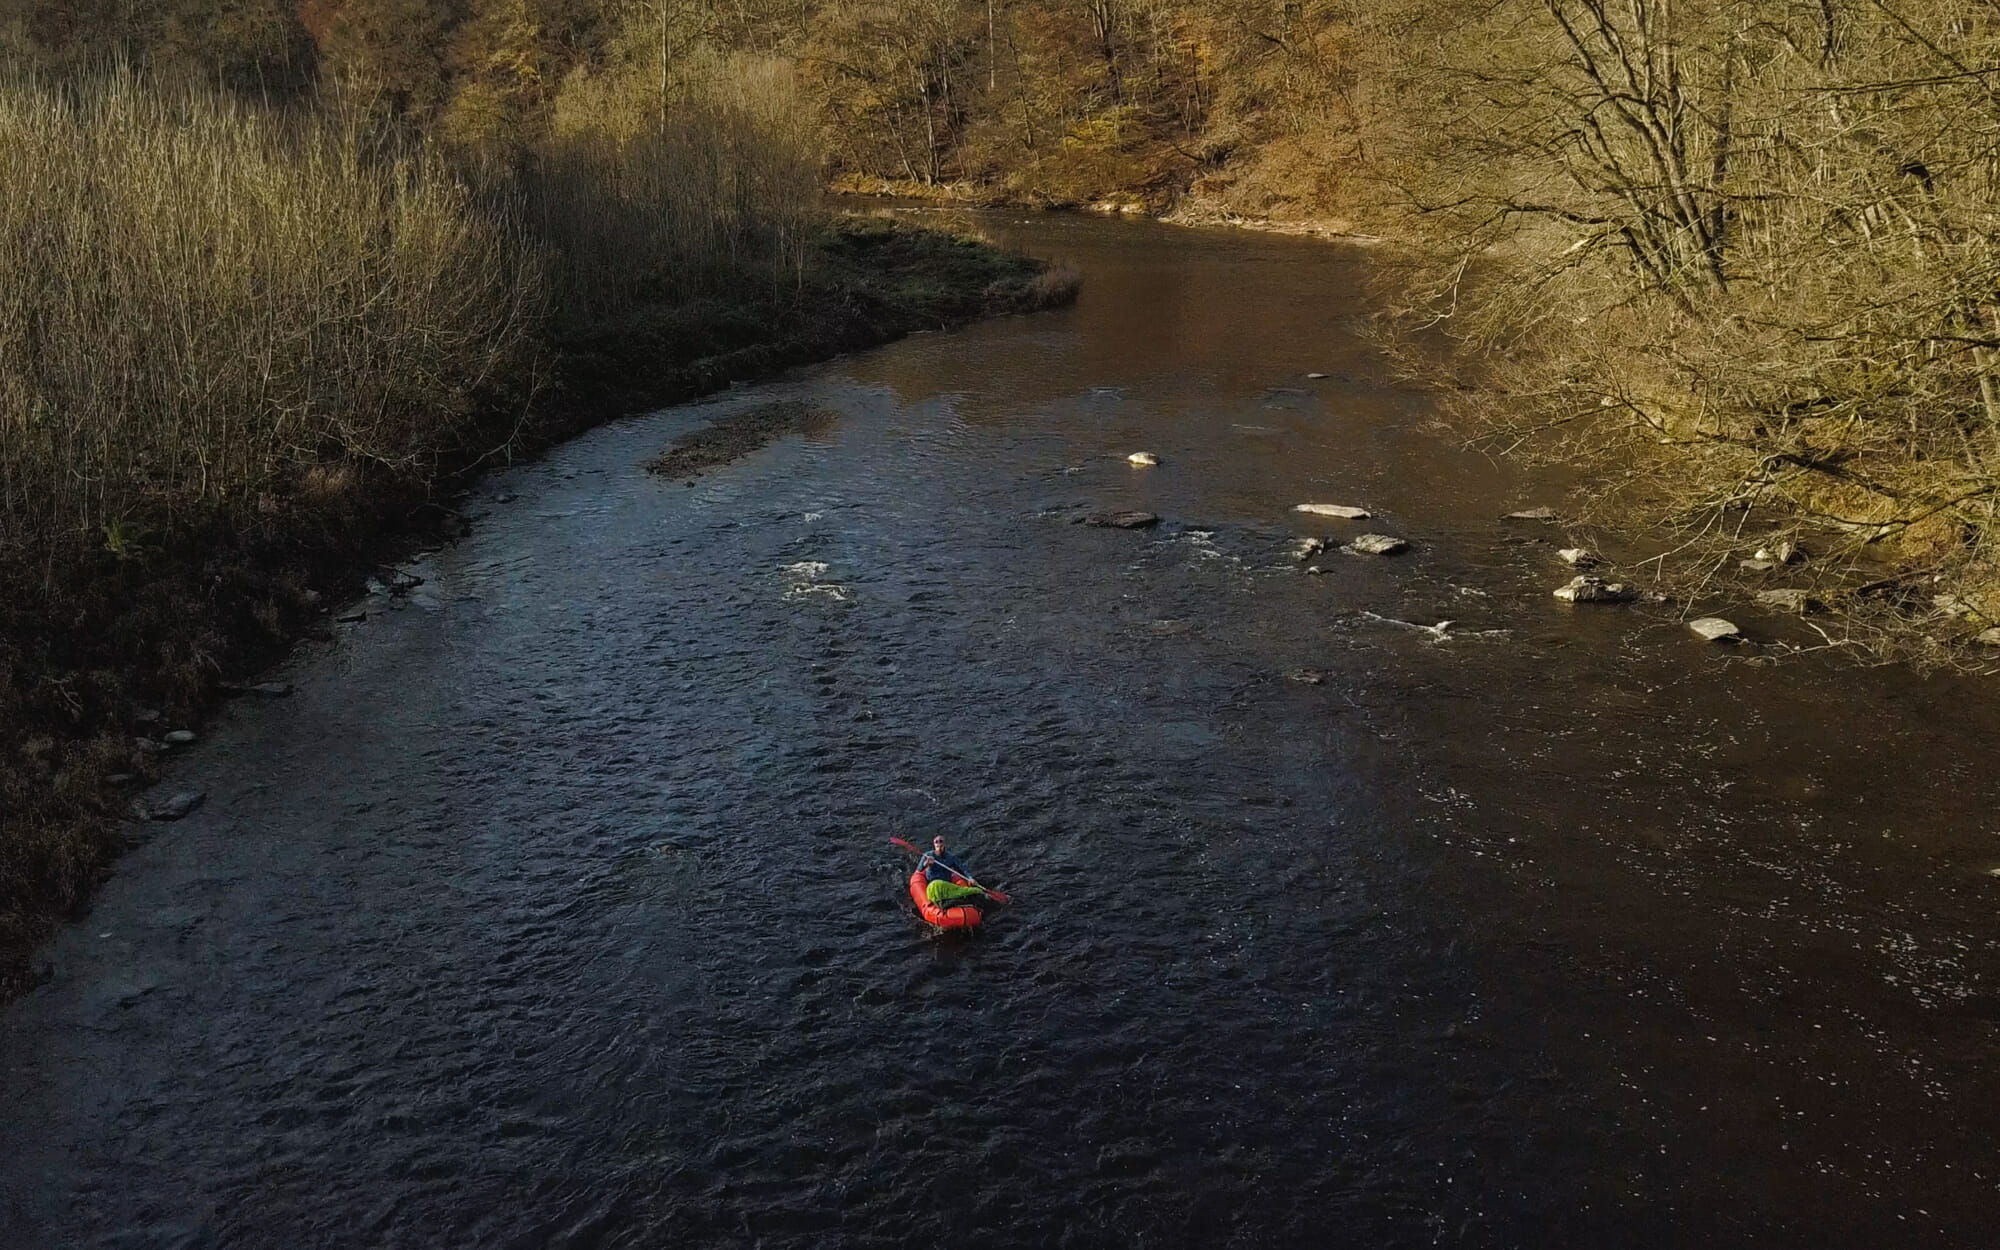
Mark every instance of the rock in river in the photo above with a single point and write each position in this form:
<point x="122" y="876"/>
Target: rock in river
<point x="1578" y="557"/>
<point x="269" y="689"/>
<point x="1595" y="590"/>
<point x="1339" y="510"/>
<point x="1121" y="520"/>
<point x="1533" y="514"/>
<point x="1799" y="601"/>
<point x="1142" y="459"/>
<point x="1306" y="548"/>
<point x="1377" y="545"/>
<point x="180" y="738"/>
<point x="171" y="807"/>
<point x="1715" y="629"/>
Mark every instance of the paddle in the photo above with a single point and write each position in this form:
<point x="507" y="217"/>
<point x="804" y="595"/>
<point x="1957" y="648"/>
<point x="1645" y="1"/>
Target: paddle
<point x="991" y="893"/>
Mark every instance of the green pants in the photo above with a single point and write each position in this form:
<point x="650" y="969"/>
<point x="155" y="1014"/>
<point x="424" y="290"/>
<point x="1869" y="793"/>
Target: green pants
<point x="948" y="893"/>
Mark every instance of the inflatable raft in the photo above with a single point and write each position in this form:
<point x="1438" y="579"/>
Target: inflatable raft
<point x="962" y="916"/>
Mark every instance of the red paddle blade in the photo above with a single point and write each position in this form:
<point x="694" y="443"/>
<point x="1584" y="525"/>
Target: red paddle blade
<point x="998" y="897"/>
<point x="899" y="842"/>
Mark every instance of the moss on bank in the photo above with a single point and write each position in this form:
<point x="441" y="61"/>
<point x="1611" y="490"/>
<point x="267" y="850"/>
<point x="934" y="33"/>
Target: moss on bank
<point x="160" y="628"/>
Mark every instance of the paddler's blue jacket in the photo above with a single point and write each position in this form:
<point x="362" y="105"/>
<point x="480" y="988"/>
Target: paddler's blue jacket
<point x="941" y="867"/>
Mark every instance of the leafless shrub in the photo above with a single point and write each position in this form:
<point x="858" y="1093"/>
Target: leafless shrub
<point x="1742" y="257"/>
<point x="200" y="305"/>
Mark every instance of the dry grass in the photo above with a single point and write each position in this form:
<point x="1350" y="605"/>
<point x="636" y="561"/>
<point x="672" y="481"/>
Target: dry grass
<point x="724" y="190"/>
<point x="200" y="305"/>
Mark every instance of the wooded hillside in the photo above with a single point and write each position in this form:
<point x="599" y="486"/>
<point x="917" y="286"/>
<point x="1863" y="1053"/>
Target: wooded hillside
<point x="1048" y="101"/>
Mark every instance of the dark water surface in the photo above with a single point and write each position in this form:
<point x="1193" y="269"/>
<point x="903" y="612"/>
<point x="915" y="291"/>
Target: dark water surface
<point x="557" y="907"/>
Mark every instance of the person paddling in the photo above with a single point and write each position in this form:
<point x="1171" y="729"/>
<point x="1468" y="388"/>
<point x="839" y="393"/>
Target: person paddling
<point x="943" y="874"/>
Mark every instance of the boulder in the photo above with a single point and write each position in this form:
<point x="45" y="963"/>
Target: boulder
<point x="1595" y="590"/>
<point x="180" y="738"/>
<point x="1715" y="629"/>
<point x="1142" y="459"/>
<point x="352" y="617"/>
<point x="1533" y="514"/>
<point x="171" y="807"/>
<point x="1377" y="545"/>
<point x="1578" y="557"/>
<point x="1316" y="377"/>
<point x="1121" y="520"/>
<point x="1340" y="511"/>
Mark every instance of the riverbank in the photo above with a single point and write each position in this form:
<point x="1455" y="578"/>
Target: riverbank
<point x="1920" y="592"/>
<point x="99" y="696"/>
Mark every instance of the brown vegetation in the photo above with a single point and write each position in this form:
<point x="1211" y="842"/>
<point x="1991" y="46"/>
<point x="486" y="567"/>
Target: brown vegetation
<point x="1742" y="258"/>
<point x="244" y="339"/>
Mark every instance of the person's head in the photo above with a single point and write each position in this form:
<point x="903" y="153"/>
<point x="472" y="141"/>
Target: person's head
<point x="937" y="844"/>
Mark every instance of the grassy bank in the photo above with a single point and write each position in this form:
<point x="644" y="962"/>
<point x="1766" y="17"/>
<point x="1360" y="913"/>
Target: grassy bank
<point x="243" y="358"/>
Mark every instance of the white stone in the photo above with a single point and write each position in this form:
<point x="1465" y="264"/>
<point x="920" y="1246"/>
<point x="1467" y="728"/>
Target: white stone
<point x="1578" y="556"/>
<point x="1988" y="637"/>
<point x="1341" y="511"/>
<point x="1595" y="590"/>
<point x="1142" y="459"/>
<point x="1377" y="545"/>
<point x="1715" y="629"/>
<point x="1307" y="548"/>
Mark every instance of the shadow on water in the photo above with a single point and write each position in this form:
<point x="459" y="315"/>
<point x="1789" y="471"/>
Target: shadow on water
<point x="557" y="907"/>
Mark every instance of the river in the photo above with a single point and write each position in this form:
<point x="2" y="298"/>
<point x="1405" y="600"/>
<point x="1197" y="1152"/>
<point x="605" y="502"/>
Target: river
<point x="557" y="906"/>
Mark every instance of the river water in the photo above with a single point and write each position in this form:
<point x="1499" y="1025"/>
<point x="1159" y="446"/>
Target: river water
<point x="557" y="907"/>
